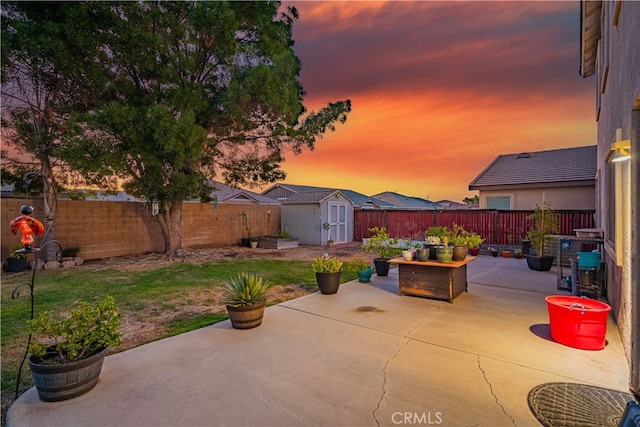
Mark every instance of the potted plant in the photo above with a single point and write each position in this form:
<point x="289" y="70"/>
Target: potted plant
<point x="431" y="242"/>
<point x="545" y="224"/>
<point x="362" y="268"/>
<point x="434" y="236"/>
<point x="517" y="253"/>
<point x="328" y="272"/>
<point x="253" y="242"/>
<point x="68" y="351"/>
<point x="17" y="262"/>
<point x="245" y="241"/>
<point x="445" y="252"/>
<point x="384" y="246"/>
<point x="245" y="296"/>
<point x="459" y="241"/>
<point x="473" y="241"/>
<point x="506" y="253"/>
<point x="493" y="252"/>
<point x="409" y="252"/>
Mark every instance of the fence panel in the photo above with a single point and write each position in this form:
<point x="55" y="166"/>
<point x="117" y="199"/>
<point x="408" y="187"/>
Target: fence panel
<point x="496" y="227"/>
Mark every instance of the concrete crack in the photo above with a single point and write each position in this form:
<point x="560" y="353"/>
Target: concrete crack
<point x="484" y="375"/>
<point x="388" y="362"/>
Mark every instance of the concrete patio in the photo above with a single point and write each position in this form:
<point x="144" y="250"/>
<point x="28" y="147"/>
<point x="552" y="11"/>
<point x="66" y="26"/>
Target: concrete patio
<point x="362" y="357"/>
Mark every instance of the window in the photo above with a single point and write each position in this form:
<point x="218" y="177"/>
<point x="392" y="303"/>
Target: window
<point x="499" y="202"/>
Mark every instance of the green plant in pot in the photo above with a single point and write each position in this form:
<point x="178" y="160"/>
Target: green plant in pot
<point x="328" y="273"/>
<point x="17" y="261"/>
<point x="545" y="224"/>
<point x="473" y="241"/>
<point x="68" y="350"/>
<point x="245" y="296"/>
<point x="361" y="268"/>
<point x="434" y="236"/>
<point x="386" y="247"/>
<point x="445" y="252"/>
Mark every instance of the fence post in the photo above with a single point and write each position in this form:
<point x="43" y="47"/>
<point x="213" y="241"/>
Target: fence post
<point x="496" y="226"/>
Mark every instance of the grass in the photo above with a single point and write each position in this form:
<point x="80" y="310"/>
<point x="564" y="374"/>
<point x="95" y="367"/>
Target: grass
<point x="174" y="299"/>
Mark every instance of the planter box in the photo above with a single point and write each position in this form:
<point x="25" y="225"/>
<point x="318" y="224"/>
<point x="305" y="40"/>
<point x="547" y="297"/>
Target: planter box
<point x="273" y="242"/>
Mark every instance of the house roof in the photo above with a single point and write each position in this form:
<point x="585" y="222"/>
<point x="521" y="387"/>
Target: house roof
<point x="228" y="194"/>
<point x="552" y="168"/>
<point x="590" y="15"/>
<point x="402" y="201"/>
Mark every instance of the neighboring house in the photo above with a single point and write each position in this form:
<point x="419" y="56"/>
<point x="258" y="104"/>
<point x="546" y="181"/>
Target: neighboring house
<point x="565" y="177"/>
<point x="610" y="50"/>
<point x="400" y="201"/>
<point x="223" y="193"/>
<point x="450" y="205"/>
<point x="304" y="214"/>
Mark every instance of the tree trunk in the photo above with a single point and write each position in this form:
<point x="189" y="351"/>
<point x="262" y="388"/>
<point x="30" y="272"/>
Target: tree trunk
<point x="50" y="207"/>
<point x="170" y="220"/>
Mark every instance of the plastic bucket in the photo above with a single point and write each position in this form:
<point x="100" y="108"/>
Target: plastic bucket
<point x="588" y="259"/>
<point x="578" y="322"/>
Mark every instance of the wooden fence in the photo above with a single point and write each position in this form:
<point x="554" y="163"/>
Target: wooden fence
<point x="497" y="227"/>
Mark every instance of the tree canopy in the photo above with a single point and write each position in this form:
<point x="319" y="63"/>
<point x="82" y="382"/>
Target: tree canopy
<point x="167" y="96"/>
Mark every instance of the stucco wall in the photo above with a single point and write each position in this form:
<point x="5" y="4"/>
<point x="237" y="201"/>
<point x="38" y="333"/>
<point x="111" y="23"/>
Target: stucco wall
<point x="561" y="198"/>
<point x="617" y="96"/>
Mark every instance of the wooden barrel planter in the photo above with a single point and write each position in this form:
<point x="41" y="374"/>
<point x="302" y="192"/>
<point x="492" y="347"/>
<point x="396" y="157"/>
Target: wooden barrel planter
<point x="246" y="316"/>
<point x="67" y="380"/>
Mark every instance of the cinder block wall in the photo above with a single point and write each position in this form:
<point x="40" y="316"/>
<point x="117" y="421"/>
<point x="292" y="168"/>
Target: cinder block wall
<point x="110" y="229"/>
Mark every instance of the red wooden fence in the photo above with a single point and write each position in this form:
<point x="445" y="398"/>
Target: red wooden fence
<point x="495" y="226"/>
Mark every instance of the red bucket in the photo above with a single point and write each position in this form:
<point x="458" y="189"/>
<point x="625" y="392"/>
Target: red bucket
<point x="578" y="322"/>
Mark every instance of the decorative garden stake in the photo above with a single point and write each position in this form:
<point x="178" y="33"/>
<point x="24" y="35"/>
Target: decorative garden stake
<point x="29" y="226"/>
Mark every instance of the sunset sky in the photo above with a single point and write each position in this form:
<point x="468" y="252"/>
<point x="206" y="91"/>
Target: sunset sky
<point x="438" y="90"/>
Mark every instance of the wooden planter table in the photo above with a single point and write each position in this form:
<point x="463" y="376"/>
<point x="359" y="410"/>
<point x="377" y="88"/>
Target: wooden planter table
<point x="432" y="279"/>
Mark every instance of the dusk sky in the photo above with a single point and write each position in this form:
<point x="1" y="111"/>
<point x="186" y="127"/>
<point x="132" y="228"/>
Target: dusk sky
<point x="438" y="90"/>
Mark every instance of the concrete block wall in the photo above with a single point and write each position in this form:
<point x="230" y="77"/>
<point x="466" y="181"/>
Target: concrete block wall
<point x="111" y="229"/>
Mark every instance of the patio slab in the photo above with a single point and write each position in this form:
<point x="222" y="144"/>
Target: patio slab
<point x="364" y="356"/>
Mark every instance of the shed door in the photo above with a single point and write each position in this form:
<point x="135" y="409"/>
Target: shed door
<point x="338" y="222"/>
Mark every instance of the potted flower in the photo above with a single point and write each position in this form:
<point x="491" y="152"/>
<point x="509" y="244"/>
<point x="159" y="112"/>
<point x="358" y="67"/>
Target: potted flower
<point x="328" y="273"/>
<point x="362" y="268"/>
<point x="69" y="350"/>
<point x="17" y="262"/>
<point x="459" y="241"/>
<point x="245" y="296"/>
<point x="384" y="246"/>
<point x="545" y="224"/>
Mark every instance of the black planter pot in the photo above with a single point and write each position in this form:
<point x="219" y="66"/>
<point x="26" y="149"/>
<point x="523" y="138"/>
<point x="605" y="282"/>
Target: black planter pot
<point x="328" y="283"/>
<point x="246" y="316"/>
<point x="382" y="266"/>
<point x="15" y="265"/>
<point x="432" y="251"/>
<point x="65" y="381"/>
<point x="525" y="245"/>
<point x="540" y="263"/>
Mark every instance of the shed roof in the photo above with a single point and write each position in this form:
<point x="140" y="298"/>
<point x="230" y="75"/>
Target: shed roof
<point x="313" y="197"/>
<point x="552" y="168"/>
<point x="358" y="199"/>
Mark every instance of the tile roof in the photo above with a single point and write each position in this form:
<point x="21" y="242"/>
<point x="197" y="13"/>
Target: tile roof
<point x="561" y="167"/>
<point x="313" y="197"/>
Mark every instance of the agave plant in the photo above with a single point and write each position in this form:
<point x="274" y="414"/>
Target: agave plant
<point x="245" y="289"/>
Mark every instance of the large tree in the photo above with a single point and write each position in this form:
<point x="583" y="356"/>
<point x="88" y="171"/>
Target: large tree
<point x="178" y="93"/>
